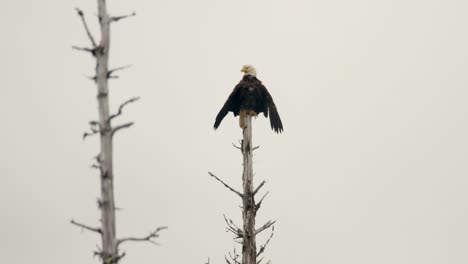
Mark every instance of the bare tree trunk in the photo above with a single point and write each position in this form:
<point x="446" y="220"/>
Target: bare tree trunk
<point x="109" y="242"/>
<point x="249" y="208"/>
<point x="249" y="248"/>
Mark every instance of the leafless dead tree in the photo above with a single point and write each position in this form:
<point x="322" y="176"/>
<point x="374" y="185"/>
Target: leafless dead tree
<point x="247" y="235"/>
<point x="109" y="253"/>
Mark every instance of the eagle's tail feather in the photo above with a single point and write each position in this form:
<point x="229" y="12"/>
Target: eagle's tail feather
<point x="224" y="111"/>
<point x="275" y="120"/>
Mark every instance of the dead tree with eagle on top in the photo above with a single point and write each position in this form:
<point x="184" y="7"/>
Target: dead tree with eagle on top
<point x="249" y="98"/>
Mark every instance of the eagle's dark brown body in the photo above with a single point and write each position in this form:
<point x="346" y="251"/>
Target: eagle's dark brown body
<point x="250" y="97"/>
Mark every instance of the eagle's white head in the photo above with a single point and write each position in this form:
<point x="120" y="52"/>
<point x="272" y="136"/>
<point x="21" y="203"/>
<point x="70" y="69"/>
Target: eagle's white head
<point x="249" y="70"/>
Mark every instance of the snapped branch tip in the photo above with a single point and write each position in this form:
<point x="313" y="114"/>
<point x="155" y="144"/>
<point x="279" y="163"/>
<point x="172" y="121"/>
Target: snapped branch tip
<point x="117" y="18"/>
<point x="225" y="184"/>
<point x="258" y="187"/>
<point x="86" y="227"/>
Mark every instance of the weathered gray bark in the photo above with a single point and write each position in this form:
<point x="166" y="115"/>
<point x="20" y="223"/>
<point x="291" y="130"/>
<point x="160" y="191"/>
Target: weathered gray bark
<point x="110" y="244"/>
<point x="249" y="248"/>
<point x="248" y="232"/>
<point x="109" y="252"/>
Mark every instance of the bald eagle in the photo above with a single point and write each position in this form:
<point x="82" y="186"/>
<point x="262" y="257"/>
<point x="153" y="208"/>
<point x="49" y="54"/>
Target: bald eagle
<point x="250" y="97"/>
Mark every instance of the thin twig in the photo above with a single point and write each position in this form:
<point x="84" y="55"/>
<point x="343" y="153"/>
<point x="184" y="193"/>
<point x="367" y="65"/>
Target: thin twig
<point x="92" y="51"/>
<point x="149" y="238"/>
<point x="131" y="100"/>
<point x="119" y="127"/>
<point x="92" y="78"/>
<point x="117" y="18"/>
<point x="92" y="229"/>
<point x="257" y="206"/>
<point x="232" y="227"/>
<point x="258" y="188"/>
<point x="90" y="36"/>
<point x="255" y="148"/>
<point x="262" y="248"/>
<point x="234" y="257"/>
<point x="92" y="133"/>
<point x="88" y="134"/>
<point x="94" y="126"/>
<point x="111" y="71"/>
<point x="98" y="167"/>
<point x="237" y="147"/>
<point x="225" y="184"/>
<point x="265" y="226"/>
<point x="98" y="252"/>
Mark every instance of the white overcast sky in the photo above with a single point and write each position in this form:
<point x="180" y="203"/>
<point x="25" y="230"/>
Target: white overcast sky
<point x="371" y="168"/>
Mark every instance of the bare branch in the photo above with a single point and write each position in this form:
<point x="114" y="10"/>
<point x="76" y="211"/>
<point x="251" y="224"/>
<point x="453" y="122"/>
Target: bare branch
<point x="98" y="167"/>
<point x="94" y="123"/>
<point x="92" y="78"/>
<point x="232" y="227"/>
<point x="149" y="238"/>
<point x="265" y="226"/>
<point x="129" y="101"/>
<point x="88" y="134"/>
<point x="94" y="127"/>
<point x="262" y="248"/>
<point x="257" y="206"/>
<point x="110" y="72"/>
<point x="119" y="127"/>
<point x="231" y="223"/>
<point x="90" y="36"/>
<point x="92" y="51"/>
<point x="237" y="147"/>
<point x="255" y="148"/>
<point x="258" y="188"/>
<point x="225" y="184"/>
<point x="92" y="229"/>
<point x="117" y="18"/>
<point x="234" y="257"/>
<point x="98" y="252"/>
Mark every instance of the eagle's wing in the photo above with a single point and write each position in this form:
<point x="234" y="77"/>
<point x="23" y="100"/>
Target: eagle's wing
<point x="275" y="120"/>
<point x="229" y="105"/>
